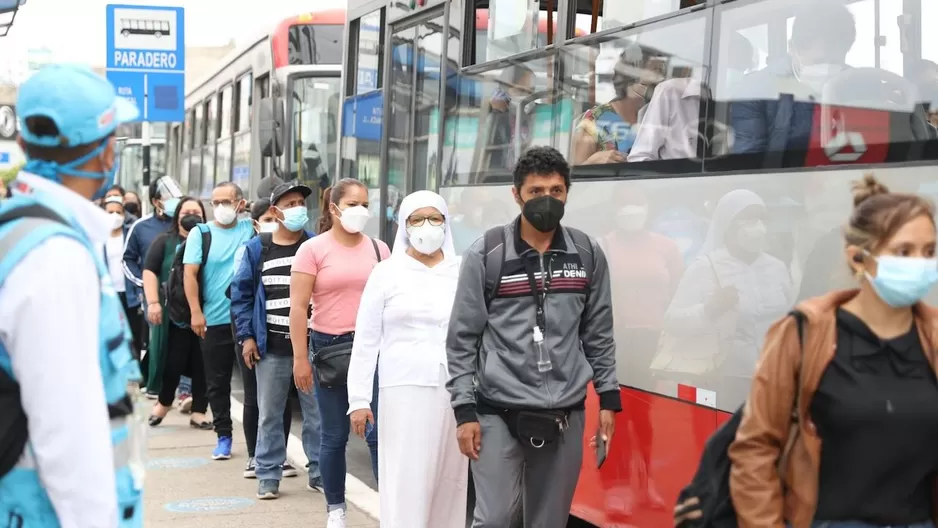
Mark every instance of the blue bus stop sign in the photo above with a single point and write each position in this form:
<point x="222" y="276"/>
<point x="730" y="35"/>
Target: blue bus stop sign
<point x="146" y="59"/>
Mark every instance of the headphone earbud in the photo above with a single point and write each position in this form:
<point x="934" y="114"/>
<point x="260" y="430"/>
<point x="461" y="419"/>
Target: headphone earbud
<point x="858" y="258"/>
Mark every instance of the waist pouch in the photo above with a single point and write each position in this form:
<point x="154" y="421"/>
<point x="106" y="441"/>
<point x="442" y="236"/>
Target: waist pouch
<point x="332" y="363"/>
<point x="537" y="428"/>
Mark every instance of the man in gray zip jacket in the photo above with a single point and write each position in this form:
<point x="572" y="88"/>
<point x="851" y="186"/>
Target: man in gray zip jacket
<point x="531" y="326"/>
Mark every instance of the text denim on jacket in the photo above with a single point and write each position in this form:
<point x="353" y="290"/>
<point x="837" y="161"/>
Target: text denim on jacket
<point x="248" y="298"/>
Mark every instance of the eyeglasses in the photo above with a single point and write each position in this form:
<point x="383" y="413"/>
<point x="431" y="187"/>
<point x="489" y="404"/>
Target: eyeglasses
<point x="417" y="221"/>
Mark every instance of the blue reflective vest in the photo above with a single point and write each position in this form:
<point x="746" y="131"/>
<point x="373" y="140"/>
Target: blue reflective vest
<point x="23" y="501"/>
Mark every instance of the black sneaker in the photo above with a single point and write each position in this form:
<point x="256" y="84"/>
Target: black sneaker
<point x="268" y="489"/>
<point x="249" y="470"/>
<point x="288" y="470"/>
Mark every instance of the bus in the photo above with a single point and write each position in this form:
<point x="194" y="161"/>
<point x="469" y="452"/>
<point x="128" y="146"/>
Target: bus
<point x="692" y="296"/>
<point x="296" y="67"/>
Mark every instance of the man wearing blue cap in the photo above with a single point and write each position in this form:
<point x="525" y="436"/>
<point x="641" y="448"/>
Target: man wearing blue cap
<point x="80" y="464"/>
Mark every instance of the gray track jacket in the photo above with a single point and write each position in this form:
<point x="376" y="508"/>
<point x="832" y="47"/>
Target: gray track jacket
<point x="491" y="349"/>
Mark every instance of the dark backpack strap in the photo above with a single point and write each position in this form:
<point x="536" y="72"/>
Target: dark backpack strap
<point x="206" y="244"/>
<point x="374" y="243"/>
<point x="585" y="249"/>
<point x="493" y="248"/>
<point x="800" y="321"/>
<point x="267" y="240"/>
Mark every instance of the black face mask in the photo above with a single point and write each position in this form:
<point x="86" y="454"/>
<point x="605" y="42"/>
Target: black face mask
<point x="189" y="221"/>
<point x="543" y="212"/>
<point x="132" y="208"/>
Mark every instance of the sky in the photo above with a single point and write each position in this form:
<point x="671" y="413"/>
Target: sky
<point x="74" y="30"/>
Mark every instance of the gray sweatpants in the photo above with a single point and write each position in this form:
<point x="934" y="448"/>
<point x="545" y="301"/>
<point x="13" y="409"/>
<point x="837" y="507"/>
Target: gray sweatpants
<point x="544" y="478"/>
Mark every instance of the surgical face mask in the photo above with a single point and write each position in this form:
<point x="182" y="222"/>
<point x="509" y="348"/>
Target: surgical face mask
<point x="632" y="217"/>
<point x="903" y="281"/>
<point x="543" y="212"/>
<point x="751" y="236"/>
<point x="225" y="214"/>
<point x="815" y="75"/>
<point x="269" y="227"/>
<point x="169" y="206"/>
<point x="294" y="218"/>
<point x="118" y="220"/>
<point x="189" y="221"/>
<point x="353" y="219"/>
<point x="427" y="239"/>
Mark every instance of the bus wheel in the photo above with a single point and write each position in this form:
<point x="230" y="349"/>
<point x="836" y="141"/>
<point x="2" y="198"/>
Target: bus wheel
<point x="158" y="34"/>
<point x="125" y="33"/>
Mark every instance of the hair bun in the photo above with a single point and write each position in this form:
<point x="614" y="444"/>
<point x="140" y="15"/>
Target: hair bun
<point x="867" y="188"/>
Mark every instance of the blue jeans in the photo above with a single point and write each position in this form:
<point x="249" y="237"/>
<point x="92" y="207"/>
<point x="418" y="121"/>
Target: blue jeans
<point x="185" y="385"/>
<point x="274" y="378"/>
<point x="333" y="407"/>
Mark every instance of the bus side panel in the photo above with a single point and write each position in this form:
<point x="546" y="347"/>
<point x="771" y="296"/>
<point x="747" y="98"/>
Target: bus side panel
<point x="653" y="454"/>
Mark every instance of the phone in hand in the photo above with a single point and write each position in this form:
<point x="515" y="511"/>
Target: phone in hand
<point x="600" y="449"/>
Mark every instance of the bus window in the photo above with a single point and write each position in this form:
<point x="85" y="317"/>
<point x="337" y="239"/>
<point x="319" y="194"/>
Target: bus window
<point x="508" y="27"/>
<point x="368" y="58"/>
<point x="643" y="101"/>
<point x="315" y="44"/>
<point x="315" y="128"/>
<point x="824" y="85"/>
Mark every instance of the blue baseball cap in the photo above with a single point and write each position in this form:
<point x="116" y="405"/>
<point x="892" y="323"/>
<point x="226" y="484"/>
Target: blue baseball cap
<point x="82" y="104"/>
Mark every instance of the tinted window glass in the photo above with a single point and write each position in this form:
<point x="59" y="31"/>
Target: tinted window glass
<point x="315" y="44"/>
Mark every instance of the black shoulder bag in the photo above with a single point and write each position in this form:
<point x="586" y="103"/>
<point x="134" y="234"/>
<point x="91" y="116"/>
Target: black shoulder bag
<point x="332" y="362"/>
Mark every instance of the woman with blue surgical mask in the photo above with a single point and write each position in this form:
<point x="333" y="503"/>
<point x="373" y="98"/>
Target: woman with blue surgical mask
<point x="857" y="368"/>
<point x="401" y="331"/>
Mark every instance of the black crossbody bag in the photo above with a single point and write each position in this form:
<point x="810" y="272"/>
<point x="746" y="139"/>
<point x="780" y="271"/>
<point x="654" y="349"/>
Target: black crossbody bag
<point x="537" y="427"/>
<point x="332" y="362"/>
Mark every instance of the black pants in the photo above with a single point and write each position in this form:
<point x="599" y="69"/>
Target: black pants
<point x="136" y="323"/>
<point x="218" y="353"/>
<point x="184" y="356"/>
<point x="251" y="412"/>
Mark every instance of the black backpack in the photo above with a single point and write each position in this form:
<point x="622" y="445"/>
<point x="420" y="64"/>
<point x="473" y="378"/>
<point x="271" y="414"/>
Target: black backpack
<point x="177" y="306"/>
<point x="494" y="251"/>
<point x="14" y="434"/>
<point x="711" y="483"/>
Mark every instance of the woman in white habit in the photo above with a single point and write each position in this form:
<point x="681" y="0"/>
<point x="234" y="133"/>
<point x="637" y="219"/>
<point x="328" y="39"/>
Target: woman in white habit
<point x="401" y="330"/>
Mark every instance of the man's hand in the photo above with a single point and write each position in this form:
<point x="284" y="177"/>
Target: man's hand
<point x="687" y="511"/>
<point x="197" y="323"/>
<point x="469" y="435"/>
<point x="249" y="353"/>
<point x="360" y="418"/>
<point x="155" y="314"/>
<point x="303" y="375"/>
<point x="607" y="426"/>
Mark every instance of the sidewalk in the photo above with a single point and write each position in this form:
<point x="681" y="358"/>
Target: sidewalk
<point x="185" y="488"/>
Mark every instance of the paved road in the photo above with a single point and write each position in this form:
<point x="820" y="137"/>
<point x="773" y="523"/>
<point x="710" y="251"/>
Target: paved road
<point x="358" y="457"/>
<point x="186" y="489"/>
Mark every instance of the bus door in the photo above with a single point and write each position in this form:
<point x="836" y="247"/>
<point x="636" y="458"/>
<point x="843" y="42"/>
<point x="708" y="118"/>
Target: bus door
<point x="411" y="155"/>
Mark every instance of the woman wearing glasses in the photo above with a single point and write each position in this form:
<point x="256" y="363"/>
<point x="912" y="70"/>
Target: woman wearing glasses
<point x="401" y="330"/>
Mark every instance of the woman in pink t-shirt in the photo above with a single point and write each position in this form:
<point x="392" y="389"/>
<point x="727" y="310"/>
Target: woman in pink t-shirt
<point x="331" y="270"/>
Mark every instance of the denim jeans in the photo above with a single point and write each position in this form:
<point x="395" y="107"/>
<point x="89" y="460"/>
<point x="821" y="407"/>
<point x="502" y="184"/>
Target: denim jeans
<point x="333" y="407"/>
<point x="274" y="378"/>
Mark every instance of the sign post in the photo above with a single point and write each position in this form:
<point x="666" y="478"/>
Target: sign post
<point x="146" y="62"/>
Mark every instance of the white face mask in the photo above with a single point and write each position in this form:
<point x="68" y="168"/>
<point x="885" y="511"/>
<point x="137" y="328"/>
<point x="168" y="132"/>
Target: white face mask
<point x="353" y="219"/>
<point x="225" y="214"/>
<point x="118" y="220"/>
<point x="269" y="227"/>
<point x="632" y="217"/>
<point x="427" y="239"/>
<point x="751" y="236"/>
<point x="816" y="75"/>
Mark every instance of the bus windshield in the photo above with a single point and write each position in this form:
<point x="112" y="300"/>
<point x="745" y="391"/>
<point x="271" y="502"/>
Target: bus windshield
<point x="314" y="128"/>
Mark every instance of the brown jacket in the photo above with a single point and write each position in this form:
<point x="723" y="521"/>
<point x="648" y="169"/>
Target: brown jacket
<point x="755" y="486"/>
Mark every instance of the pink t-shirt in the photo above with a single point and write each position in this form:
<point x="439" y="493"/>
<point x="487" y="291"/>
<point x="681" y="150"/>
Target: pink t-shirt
<point x="341" y="273"/>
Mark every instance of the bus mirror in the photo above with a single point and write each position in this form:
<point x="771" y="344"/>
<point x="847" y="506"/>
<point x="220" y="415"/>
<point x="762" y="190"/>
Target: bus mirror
<point x="270" y="126"/>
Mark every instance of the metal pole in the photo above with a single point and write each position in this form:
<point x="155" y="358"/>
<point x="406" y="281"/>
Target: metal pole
<point x="146" y="155"/>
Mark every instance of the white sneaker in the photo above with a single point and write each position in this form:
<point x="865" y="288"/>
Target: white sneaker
<point x="336" y="519"/>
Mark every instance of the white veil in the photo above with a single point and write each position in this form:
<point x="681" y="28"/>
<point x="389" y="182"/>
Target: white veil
<point x="411" y="203"/>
